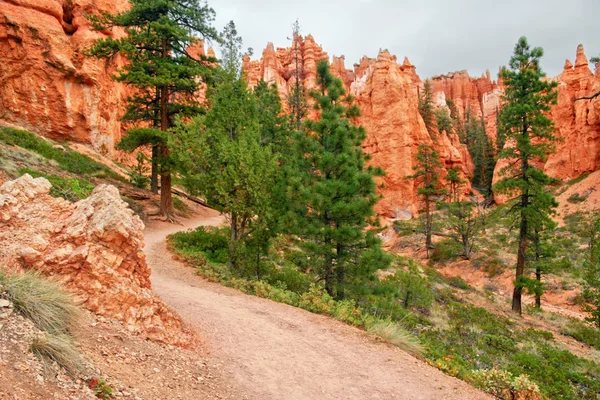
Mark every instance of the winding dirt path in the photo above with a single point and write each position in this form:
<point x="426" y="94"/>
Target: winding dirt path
<point x="273" y="351"/>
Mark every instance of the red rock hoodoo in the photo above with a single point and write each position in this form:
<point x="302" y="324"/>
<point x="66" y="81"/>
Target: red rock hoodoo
<point x="387" y="94"/>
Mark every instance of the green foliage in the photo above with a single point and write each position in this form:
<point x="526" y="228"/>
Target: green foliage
<point x="66" y="158"/>
<point x="42" y="301"/>
<point x="71" y="189"/>
<point x="575" y="198"/>
<point x="482" y="152"/>
<point x="530" y="136"/>
<point x="504" y="385"/>
<point x="212" y="242"/>
<point x="582" y="332"/>
<point x="426" y="176"/>
<point x="446" y="250"/>
<point x="332" y="190"/>
<point x="443" y="120"/>
<point x="59" y="349"/>
<point x="413" y="290"/>
<point x="222" y="158"/>
<point x="465" y="222"/>
<point x="477" y="340"/>
<point x="591" y="292"/>
<point x="426" y="107"/>
<point x="101" y="388"/>
<point x="298" y="98"/>
<point x="137" y="176"/>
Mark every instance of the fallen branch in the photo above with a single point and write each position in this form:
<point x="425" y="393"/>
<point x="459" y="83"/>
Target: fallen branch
<point x="190" y="198"/>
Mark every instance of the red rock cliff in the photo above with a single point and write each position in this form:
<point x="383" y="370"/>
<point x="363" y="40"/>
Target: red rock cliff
<point x="48" y="85"/>
<point x="387" y="94"/>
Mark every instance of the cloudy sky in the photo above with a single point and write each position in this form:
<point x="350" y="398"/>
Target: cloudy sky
<point x="438" y="36"/>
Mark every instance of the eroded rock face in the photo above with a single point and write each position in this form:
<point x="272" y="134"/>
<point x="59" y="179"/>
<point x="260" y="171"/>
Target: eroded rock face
<point x="387" y="94"/>
<point x="576" y="122"/>
<point x="48" y="85"/>
<point x="93" y="246"/>
<point x="479" y="97"/>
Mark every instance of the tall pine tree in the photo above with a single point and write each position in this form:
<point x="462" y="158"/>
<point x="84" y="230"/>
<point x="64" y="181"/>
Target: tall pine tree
<point x="426" y="107"/>
<point x="530" y="136"/>
<point x="427" y="181"/>
<point x="166" y="76"/>
<point x="335" y="190"/>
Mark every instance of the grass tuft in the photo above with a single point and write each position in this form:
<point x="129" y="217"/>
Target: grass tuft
<point x="44" y="302"/>
<point x="396" y="334"/>
<point x="59" y="349"/>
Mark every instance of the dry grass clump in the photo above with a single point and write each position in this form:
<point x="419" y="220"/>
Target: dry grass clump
<point x="396" y="334"/>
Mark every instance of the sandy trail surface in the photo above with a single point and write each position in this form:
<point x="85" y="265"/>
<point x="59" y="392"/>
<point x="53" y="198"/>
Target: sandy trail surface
<point x="270" y="350"/>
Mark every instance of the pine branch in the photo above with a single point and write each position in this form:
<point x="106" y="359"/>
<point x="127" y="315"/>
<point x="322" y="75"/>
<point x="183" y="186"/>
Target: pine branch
<point x="592" y="97"/>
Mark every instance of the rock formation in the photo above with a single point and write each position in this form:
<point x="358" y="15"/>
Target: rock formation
<point x="577" y="123"/>
<point x="93" y="246"/>
<point x="48" y="85"/>
<point x="387" y="94"/>
<point x="479" y="97"/>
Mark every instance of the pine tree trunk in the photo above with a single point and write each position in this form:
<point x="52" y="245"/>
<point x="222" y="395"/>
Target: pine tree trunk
<point x="154" y="173"/>
<point x="538" y="294"/>
<point x="166" y="199"/>
<point x="522" y="252"/>
<point x="428" y="242"/>
<point x="232" y="241"/>
<point x="340" y="272"/>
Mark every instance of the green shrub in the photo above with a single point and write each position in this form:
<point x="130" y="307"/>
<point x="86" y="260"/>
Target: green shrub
<point x="413" y="291"/>
<point x="180" y="206"/>
<point x="504" y="385"/>
<point x="446" y="250"/>
<point x="576" y="198"/>
<point x="70" y="189"/>
<point x="458" y="282"/>
<point x="60" y="349"/>
<point x="213" y="242"/>
<point x="582" y="332"/>
<point x="44" y="302"/>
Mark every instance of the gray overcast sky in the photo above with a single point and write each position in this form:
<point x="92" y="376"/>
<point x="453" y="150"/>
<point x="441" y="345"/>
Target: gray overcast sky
<point x="438" y="36"/>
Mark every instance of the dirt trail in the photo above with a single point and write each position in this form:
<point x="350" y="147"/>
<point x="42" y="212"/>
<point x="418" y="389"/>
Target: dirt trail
<point x="274" y="351"/>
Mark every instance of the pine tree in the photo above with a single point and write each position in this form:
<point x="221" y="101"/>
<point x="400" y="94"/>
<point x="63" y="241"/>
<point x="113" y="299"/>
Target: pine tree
<point x="455" y="182"/>
<point x="427" y="180"/>
<point x="165" y="76"/>
<point x="530" y="137"/>
<point x="426" y="107"/>
<point x="297" y="99"/>
<point x="220" y="155"/>
<point x="335" y="191"/>
<point x="482" y="152"/>
<point x="443" y="121"/>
